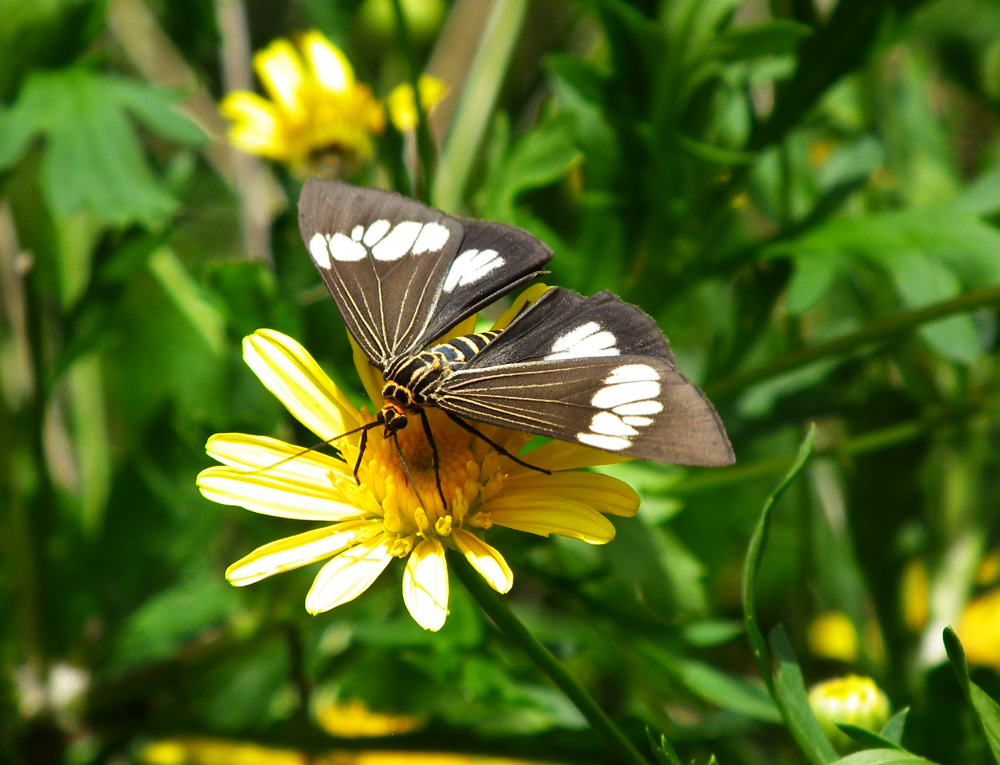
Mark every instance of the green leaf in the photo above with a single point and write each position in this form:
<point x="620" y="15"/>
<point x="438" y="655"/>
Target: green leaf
<point x="893" y="730"/>
<point x="987" y="710"/>
<point x="44" y="33"/>
<point x="922" y="281"/>
<point x="793" y="701"/>
<point x="869" y="739"/>
<point x="776" y="37"/>
<point x="92" y="157"/>
<point x="785" y="683"/>
<point x="539" y="158"/>
<point x="663" y="751"/>
<point x="880" y="757"/>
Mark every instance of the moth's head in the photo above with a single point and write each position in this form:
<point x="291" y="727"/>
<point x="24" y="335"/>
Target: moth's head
<point x="393" y="418"/>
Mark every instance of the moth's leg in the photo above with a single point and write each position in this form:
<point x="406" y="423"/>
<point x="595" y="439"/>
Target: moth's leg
<point x="406" y="469"/>
<point x="434" y="455"/>
<point x="462" y="423"/>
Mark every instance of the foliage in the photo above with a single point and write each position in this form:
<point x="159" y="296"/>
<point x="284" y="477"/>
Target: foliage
<point x="803" y="194"/>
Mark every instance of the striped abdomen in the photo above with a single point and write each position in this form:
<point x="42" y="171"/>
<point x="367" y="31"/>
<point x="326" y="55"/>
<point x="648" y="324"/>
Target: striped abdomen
<point x="409" y="379"/>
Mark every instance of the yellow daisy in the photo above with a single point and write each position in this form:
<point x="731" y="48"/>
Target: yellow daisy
<point x="318" y="119"/>
<point x="380" y="517"/>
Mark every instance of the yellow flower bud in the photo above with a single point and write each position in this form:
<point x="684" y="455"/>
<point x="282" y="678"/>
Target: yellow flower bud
<point x="853" y="700"/>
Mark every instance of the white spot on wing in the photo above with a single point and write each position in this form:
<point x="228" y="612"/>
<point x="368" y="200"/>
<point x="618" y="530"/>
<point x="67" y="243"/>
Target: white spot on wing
<point x="608" y="424"/>
<point x="639" y="422"/>
<point x="612" y="443"/>
<point x="375" y="232"/>
<point x="433" y="236"/>
<point x="319" y="248"/>
<point x="629" y="392"/>
<point x="632" y="373"/>
<point x="345" y="249"/>
<point x="639" y="407"/>
<point x="586" y="341"/>
<point x="357" y="232"/>
<point x="470" y="267"/>
<point x="611" y="396"/>
<point x="398" y="241"/>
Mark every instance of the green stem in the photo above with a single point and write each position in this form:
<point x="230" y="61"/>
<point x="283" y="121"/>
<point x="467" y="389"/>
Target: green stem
<point x="512" y="628"/>
<point x="475" y="109"/>
<point x="422" y="184"/>
<point x="876" y="332"/>
<point x="866" y="443"/>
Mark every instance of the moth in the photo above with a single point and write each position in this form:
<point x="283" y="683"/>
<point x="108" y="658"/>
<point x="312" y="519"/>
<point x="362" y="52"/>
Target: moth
<point x="594" y="371"/>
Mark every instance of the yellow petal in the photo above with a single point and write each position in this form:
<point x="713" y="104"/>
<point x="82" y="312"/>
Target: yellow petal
<point x="539" y="516"/>
<point x="294" y="377"/>
<point x="349" y="574"/>
<point x="529" y="295"/>
<point x="293" y="552"/>
<point x="560" y="455"/>
<point x="275" y="457"/>
<point x="251" y="110"/>
<point x="402" y="106"/>
<point x="329" y="65"/>
<point x="370" y="376"/>
<point x="275" y="495"/>
<point x="279" y="67"/>
<point x="603" y="493"/>
<point x="485" y="559"/>
<point x="425" y="585"/>
<point x="257" y="127"/>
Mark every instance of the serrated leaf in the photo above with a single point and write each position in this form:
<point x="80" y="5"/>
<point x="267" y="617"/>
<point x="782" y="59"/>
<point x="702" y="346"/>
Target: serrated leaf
<point x="986" y="710"/>
<point x="92" y="157"/>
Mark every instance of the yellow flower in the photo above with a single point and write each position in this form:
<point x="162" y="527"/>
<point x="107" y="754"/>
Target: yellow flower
<point x="381" y="517"/>
<point x="319" y="120"/>
<point x="853" y="700"/>
<point x="979" y="629"/>
<point x="832" y="636"/>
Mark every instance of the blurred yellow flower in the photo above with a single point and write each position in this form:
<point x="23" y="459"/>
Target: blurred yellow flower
<point x="353" y="719"/>
<point x="915" y="595"/>
<point x="218" y="751"/>
<point x="979" y="630"/>
<point x="318" y="119"/>
<point x="832" y="636"/>
<point x="381" y="517"/>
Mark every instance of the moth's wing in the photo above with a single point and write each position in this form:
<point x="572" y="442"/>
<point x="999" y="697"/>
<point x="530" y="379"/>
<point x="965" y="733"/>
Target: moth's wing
<point x="494" y="259"/>
<point x="600" y="375"/>
<point x="563" y="324"/>
<point x="403" y="273"/>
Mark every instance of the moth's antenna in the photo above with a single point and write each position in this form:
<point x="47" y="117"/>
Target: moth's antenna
<point x="406" y="469"/>
<point x="459" y="421"/>
<point x="434" y="453"/>
<point x="328" y="442"/>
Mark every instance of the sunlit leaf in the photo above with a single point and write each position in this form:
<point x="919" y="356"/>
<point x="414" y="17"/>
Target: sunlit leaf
<point x="92" y="156"/>
<point x="986" y="710"/>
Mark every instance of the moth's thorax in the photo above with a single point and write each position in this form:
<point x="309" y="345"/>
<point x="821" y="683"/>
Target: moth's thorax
<point x="411" y="380"/>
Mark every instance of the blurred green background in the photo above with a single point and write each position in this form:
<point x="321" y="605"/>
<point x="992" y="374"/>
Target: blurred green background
<point x="805" y="196"/>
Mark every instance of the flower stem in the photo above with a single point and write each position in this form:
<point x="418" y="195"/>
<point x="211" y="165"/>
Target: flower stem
<point x="511" y="627"/>
<point x="880" y="331"/>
